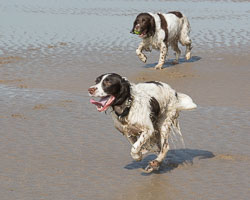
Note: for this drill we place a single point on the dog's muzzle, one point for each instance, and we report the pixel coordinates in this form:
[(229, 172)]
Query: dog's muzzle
[(92, 90)]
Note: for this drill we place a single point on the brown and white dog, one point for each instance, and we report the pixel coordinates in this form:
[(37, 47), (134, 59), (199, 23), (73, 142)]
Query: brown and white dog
[(145, 113), (160, 30)]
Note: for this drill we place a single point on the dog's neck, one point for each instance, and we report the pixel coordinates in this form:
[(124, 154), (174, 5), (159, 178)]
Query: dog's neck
[(123, 110)]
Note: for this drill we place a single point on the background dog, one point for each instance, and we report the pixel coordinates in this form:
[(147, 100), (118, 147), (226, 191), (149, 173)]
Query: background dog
[(145, 113), (161, 30)]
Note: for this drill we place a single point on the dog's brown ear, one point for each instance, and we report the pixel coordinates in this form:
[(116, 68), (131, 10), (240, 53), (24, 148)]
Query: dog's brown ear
[(125, 86), (151, 30), (124, 92)]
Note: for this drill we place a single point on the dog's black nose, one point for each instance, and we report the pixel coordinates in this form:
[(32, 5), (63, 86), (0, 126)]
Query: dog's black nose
[(92, 90), (132, 32)]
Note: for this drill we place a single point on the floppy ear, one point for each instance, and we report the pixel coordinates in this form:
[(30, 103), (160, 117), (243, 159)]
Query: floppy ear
[(151, 31), (125, 85), (132, 31), (125, 88), (124, 92)]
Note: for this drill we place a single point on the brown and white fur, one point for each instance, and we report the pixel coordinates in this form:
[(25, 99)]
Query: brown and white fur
[(145, 113), (160, 30)]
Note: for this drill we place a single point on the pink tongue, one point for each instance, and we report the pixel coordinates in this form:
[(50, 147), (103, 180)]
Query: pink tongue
[(101, 102), (104, 103)]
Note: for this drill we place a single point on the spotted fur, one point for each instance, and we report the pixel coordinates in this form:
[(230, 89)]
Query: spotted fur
[(158, 31), (153, 112)]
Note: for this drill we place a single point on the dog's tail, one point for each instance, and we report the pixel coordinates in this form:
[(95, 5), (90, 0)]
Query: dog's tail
[(185, 102)]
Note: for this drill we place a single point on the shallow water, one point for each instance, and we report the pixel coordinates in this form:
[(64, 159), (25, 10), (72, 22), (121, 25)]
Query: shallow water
[(55, 145), (52, 44)]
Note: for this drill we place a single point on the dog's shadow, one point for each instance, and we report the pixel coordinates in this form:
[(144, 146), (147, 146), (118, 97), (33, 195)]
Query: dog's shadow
[(169, 62), (173, 160)]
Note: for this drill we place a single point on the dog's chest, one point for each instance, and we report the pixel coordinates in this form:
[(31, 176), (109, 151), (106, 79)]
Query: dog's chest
[(128, 129), (154, 42)]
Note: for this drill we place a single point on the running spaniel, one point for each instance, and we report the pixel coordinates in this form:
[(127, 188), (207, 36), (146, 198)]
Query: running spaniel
[(160, 30), (145, 113)]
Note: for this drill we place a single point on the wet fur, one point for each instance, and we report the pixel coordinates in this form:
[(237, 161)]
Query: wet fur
[(151, 117)]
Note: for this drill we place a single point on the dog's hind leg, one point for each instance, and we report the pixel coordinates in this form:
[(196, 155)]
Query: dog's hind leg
[(139, 53), (188, 51), (165, 129), (163, 54), (164, 145), (155, 164), (175, 47), (185, 38), (188, 44)]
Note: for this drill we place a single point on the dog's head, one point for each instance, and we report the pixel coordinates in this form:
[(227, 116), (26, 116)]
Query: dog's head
[(144, 25), (112, 90)]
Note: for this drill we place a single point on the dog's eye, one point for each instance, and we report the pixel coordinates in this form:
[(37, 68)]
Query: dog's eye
[(107, 79)]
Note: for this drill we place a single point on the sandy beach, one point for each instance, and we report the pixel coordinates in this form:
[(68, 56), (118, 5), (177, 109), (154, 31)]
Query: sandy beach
[(55, 145)]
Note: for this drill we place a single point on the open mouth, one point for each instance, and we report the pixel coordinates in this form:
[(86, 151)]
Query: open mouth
[(104, 103), (140, 34), (143, 34)]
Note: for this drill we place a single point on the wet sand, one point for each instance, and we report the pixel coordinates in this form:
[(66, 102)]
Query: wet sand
[(55, 145)]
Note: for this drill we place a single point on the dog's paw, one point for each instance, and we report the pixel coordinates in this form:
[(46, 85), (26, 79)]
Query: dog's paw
[(136, 156), (153, 165), (188, 55), (158, 66), (148, 169), (143, 58)]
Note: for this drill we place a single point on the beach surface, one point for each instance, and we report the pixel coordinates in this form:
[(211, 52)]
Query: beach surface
[(54, 144)]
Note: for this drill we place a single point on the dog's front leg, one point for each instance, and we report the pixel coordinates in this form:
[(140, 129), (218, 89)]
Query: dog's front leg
[(139, 53), (136, 147), (163, 54)]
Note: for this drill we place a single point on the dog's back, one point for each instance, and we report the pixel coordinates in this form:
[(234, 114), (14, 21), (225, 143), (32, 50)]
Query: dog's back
[(164, 94)]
